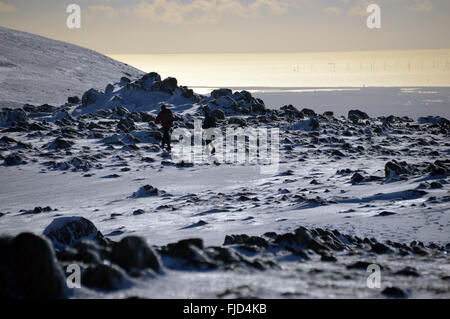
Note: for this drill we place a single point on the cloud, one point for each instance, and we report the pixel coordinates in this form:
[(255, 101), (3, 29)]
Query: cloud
[(360, 8), (4, 7), (206, 11), (332, 10), (420, 6), (109, 11)]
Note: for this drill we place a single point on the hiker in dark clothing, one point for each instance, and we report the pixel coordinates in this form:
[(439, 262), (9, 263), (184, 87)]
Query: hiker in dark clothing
[(209, 122), (165, 117)]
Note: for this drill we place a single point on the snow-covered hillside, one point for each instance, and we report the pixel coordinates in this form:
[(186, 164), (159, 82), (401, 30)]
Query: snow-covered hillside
[(38, 70)]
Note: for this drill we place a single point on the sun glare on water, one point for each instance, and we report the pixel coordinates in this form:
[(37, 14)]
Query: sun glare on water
[(261, 71)]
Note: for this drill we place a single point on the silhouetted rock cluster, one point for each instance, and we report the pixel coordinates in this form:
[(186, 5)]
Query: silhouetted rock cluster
[(31, 267)]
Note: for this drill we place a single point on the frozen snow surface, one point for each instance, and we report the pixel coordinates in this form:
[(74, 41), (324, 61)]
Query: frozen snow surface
[(369, 189), (338, 174)]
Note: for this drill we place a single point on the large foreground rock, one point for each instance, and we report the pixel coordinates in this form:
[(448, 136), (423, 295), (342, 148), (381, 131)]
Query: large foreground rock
[(105, 277), (69, 231), (134, 255), (29, 269)]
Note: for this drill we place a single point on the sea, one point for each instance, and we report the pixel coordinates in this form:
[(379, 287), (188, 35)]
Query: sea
[(292, 72)]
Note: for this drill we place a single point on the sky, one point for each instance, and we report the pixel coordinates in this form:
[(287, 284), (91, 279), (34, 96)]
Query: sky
[(235, 26)]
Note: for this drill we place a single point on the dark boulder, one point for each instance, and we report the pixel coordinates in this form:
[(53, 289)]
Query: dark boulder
[(168, 85), (73, 99), (361, 265), (146, 191), (357, 178), (134, 255), (408, 272), (188, 253), (104, 277), (138, 212), (221, 92), (337, 153), (69, 231), (149, 80), (394, 169), (124, 81), (237, 120), (7, 140), (46, 108), (437, 120), (246, 240), (187, 93), (308, 112), (14, 159), (327, 257), (59, 144), (294, 242), (380, 249), (29, 269), (146, 117), (357, 115), (218, 114), (12, 116), (394, 292), (90, 97), (126, 125), (258, 106)]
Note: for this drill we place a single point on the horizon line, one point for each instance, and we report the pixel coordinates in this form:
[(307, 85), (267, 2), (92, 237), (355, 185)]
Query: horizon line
[(275, 52)]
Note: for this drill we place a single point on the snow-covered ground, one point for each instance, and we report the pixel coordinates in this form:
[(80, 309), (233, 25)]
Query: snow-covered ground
[(382, 181), (167, 219), (101, 175)]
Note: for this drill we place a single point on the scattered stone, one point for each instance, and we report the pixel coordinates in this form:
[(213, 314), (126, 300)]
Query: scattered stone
[(138, 212), (357, 178), (60, 144), (357, 115), (69, 231), (385, 213), (394, 292), (146, 191), (362, 265), (90, 97), (190, 253), (104, 277), (15, 159), (126, 125), (134, 255), (380, 248), (408, 271), (328, 258), (73, 99)]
